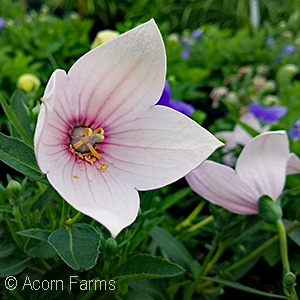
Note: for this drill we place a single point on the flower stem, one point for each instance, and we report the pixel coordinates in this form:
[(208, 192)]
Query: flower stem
[(257, 252), (16, 212), (202, 223), (188, 221), (261, 248), (65, 212), (283, 245), (75, 219), (288, 284)]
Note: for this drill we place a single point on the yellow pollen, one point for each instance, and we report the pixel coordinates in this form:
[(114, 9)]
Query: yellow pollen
[(83, 143), (103, 166)]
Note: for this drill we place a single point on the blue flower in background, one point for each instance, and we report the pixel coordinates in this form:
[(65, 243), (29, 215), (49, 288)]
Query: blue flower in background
[(270, 41), (187, 42), (294, 133), (2, 23), (165, 100), (267, 114), (288, 50)]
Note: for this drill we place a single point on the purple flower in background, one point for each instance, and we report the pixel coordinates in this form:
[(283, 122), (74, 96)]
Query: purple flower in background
[(187, 42), (2, 23), (288, 50), (270, 41), (196, 34), (267, 114), (294, 133), (165, 100)]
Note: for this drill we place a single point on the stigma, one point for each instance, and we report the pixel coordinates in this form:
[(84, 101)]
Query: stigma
[(83, 143)]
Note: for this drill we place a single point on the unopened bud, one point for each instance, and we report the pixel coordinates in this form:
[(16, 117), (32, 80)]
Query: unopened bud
[(104, 36), (269, 210), (28, 82)]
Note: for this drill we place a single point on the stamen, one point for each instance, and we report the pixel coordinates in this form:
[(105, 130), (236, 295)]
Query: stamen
[(83, 143), (93, 151), (78, 144)]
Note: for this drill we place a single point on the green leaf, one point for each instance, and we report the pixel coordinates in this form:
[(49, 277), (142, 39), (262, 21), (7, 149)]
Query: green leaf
[(15, 122), (173, 248), (37, 245), (241, 287), (36, 233), (142, 233), (18, 105), (20, 157), (6, 248), (13, 264), (174, 198), (145, 266), (78, 246)]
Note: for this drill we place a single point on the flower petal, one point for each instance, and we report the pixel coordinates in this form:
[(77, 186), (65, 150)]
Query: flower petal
[(262, 163), (220, 185), (100, 195), (119, 78), (157, 148), (293, 165)]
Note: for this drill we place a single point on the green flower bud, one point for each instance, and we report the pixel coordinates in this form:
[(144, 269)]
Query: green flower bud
[(269, 86), (271, 100), (36, 110), (289, 280), (269, 210), (13, 190), (103, 37), (110, 247), (28, 82), (291, 69), (173, 38)]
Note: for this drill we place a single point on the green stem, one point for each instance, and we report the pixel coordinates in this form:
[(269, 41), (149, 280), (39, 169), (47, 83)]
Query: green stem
[(16, 238), (74, 220), (208, 266), (283, 245), (188, 221), (213, 261), (289, 290), (202, 223), (261, 248), (65, 212), (256, 252), (16, 212)]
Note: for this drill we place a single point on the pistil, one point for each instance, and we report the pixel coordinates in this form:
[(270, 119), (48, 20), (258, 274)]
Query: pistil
[(83, 142)]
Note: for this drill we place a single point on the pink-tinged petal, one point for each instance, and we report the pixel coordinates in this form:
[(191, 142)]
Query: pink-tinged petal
[(120, 78), (157, 148), (293, 165), (262, 163), (220, 185), (54, 123), (100, 195)]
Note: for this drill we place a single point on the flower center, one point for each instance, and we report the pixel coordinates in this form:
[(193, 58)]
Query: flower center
[(83, 142)]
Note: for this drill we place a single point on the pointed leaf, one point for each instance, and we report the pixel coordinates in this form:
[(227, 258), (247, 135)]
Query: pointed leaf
[(37, 245), (18, 105), (19, 156), (173, 248), (243, 288), (15, 122), (78, 246), (145, 266), (13, 264)]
